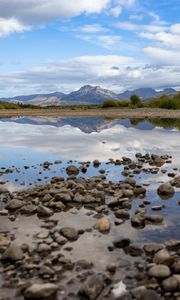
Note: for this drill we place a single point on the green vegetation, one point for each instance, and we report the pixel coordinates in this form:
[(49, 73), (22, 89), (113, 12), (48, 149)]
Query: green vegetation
[(167, 102), (135, 101), (112, 103), (8, 105)]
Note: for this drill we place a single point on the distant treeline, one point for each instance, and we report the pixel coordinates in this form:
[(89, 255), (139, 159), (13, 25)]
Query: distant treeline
[(164, 101), (8, 105)]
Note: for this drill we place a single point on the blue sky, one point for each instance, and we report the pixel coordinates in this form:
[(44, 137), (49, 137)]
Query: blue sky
[(59, 45)]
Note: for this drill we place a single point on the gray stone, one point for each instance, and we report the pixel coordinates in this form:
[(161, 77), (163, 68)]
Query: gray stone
[(70, 233)]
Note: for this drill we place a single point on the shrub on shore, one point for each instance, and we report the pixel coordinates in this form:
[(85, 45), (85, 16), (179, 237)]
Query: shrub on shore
[(166, 102), (112, 103)]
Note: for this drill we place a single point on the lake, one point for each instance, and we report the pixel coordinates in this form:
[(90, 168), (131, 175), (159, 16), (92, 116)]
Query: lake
[(28, 142)]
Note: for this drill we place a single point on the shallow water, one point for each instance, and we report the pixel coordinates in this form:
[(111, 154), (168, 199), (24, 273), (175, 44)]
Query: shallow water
[(27, 142), (31, 141)]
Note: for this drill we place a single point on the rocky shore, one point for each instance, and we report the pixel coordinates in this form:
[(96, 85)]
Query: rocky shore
[(42, 265)]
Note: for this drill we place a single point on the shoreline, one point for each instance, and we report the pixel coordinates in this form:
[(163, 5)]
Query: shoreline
[(139, 113)]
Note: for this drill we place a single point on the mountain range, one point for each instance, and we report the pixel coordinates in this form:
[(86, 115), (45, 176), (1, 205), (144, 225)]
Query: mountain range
[(87, 95)]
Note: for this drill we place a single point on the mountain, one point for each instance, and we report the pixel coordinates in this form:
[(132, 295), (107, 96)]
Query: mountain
[(91, 94), (86, 95), (146, 93)]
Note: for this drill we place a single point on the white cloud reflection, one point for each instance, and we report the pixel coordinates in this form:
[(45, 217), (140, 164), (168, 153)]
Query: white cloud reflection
[(71, 143)]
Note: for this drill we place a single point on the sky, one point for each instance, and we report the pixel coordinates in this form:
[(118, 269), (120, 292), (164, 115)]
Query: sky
[(59, 45)]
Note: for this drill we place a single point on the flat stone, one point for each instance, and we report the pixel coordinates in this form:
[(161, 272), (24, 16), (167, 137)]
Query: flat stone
[(41, 291), (14, 204), (42, 235), (152, 248)]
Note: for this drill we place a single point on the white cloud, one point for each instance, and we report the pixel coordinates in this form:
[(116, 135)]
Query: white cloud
[(163, 56), (8, 26), (93, 28), (114, 72), (105, 41), (116, 11), (42, 11)]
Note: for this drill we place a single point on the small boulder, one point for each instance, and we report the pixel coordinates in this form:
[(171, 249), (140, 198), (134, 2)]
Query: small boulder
[(165, 191), (103, 224), (41, 291), (13, 252)]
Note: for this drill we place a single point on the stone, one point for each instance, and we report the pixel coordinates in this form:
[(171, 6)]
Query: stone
[(122, 243), (14, 204), (170, 284), (43, 248), (13, 252), (41, 291), (150, 295), (103, 224), (122, 214), (63, 197), (134, 250), (44, 211), (139, 291), (172, 244), (161, 257), (42, 235), (159, 271), (72, 170), (165, 191), (157, 219), (152, 248), (70, 233), (92, 288)]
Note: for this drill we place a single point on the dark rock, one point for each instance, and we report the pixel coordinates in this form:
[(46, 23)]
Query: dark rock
[(165, 191), (72, 170), (122, 243)]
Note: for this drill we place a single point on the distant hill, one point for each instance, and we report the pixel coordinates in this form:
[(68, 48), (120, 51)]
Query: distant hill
[(86, 95), (146, 93)]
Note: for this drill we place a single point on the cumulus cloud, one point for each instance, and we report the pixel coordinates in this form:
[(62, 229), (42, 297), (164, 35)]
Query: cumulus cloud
[(8, 26), (42, 11), (114, 72)]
